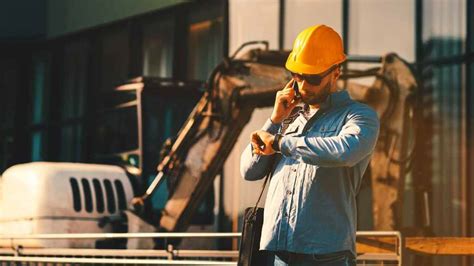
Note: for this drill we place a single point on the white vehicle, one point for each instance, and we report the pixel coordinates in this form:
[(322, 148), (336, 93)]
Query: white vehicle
[(46, 197)]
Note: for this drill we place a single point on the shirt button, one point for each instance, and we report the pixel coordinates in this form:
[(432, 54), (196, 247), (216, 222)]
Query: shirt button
[(293, 169), (288, 192)]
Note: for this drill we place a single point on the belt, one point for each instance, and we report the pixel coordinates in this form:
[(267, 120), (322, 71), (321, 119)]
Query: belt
[(292, 256)]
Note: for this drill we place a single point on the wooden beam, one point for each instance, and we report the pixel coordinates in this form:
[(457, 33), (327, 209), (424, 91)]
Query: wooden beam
[(441, 245), (421, 245)]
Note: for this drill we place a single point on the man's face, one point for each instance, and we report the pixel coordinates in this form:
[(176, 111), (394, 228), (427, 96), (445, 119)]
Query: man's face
[(316, 94)]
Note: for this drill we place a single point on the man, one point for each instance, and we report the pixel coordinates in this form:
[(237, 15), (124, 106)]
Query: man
[(319, 154)]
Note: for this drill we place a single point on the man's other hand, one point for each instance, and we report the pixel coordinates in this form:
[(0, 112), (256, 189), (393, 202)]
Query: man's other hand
[(262, 142), (137, 205)]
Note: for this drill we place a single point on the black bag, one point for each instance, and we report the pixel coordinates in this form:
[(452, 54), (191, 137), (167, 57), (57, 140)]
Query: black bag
[(249, 253), (249, 243)]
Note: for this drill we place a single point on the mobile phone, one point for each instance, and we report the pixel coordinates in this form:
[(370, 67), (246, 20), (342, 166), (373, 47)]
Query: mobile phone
[(296, 89)]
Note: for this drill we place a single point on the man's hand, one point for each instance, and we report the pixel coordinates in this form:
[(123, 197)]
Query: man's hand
[(262, 142), (137, 204), (285, 101)]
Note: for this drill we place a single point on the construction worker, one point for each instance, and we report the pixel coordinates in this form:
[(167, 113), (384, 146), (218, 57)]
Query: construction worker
[(317, 155)]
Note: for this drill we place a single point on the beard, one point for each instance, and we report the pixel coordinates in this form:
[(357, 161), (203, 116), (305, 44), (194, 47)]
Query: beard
[(320, 96)]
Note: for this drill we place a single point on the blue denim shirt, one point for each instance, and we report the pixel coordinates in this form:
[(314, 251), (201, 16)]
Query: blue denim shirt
[(311, 200)]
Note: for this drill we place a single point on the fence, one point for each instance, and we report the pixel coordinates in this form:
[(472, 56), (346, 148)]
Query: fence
[(17, 255)]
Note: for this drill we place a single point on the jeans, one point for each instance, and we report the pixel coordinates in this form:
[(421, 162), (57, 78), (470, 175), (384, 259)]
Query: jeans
[(284, 258)]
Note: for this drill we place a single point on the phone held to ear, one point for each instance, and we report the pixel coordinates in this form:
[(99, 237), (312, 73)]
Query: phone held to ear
[(295, 87), (297, 90)]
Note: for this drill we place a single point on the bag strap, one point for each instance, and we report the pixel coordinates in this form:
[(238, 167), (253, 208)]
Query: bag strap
[(285, 125), (267, 177)]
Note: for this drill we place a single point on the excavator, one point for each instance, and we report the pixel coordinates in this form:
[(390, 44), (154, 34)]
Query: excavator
[(93, 196), (249, 80)]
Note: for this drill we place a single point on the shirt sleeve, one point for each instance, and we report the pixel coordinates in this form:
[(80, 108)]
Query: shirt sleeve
[(355, 141), (254, 166)]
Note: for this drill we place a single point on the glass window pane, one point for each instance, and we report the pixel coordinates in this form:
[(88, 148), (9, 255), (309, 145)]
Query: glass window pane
[(445, 115), (71, 143), (444, 27), (116, 131), (114, 61), (374, 32), (253, 20), (41, 74), (310, 12), (38, 146), (158, 48), (205, 42), (9, 86), (74, 83), (442, 160), (72, 105), (40, 104), (6, 151), (163, 117)]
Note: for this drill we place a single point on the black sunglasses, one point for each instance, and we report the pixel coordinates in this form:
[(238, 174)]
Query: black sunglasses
[(313, 79)]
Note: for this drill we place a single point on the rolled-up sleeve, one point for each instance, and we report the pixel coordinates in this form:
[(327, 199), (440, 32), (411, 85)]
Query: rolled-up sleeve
[(254, 166), (355, 141)]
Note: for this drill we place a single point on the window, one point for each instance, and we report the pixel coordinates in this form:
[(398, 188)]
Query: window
[(444, 35), (158, 48), (205, 41), (114, 61), (443, 175), (116, 131), (87, 194), (99, 195), (120, 195), (109, 191), (76, 196), (163, 118), (9, 87), (73, 91), (9, 70), (40, 105)]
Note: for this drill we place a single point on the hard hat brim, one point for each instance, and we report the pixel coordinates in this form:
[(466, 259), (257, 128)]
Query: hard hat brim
[(299, 67)]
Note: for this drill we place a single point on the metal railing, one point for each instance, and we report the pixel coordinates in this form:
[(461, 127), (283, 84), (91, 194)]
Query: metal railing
[(395, 257), (170, 256)]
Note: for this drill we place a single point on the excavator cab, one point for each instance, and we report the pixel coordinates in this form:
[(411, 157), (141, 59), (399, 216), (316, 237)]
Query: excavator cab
[(136, 118)]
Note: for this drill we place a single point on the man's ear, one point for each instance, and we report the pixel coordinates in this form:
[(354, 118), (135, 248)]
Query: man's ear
[(337, 72)]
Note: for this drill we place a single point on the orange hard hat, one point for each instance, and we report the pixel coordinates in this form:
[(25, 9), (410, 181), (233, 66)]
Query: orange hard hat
[(316, 49)]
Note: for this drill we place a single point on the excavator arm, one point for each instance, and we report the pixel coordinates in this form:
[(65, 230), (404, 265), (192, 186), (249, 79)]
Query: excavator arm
[(239, 85)]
